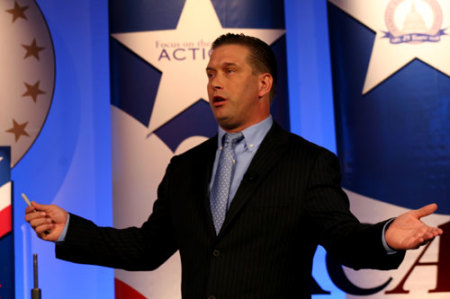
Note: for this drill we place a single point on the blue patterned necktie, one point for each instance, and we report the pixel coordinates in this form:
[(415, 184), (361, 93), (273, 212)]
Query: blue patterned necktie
[(221, 188)]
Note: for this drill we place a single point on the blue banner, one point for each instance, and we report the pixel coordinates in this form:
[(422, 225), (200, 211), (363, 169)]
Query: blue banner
[(392, 124)]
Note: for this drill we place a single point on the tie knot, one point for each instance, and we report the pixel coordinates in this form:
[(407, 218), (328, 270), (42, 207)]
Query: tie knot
[(232, 138)]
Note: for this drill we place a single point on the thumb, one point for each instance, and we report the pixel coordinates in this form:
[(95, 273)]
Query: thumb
[(426, 210)]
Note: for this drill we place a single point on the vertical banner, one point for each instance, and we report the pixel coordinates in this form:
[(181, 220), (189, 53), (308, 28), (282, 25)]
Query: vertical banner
[(391, 68), (6, 234), (158, 54)]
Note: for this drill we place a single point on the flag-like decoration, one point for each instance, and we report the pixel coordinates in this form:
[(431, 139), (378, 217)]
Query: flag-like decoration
[(159, 51), (27, 77), (391, 68), (6, 235)]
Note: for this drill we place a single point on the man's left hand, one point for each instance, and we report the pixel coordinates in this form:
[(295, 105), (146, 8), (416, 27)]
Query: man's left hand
[(407, 231)]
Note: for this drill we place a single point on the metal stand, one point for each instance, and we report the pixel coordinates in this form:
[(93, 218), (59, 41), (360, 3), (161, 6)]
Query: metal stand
[(36, 291)]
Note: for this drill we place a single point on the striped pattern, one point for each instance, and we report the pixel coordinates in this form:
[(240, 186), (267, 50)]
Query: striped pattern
[(5, 209), (5, 221), (288, 202), (6, 233)]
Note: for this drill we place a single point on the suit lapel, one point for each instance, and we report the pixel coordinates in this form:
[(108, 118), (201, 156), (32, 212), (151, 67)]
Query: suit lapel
[(208, 155), (270, 151)]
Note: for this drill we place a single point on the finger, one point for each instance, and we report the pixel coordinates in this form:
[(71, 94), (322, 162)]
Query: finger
[(29, 209), (428, 236), (39, 221), (41, 229), (39, 207), (432, 231), (48, 233), (422, 243), (426, 210), (48, 237), (436, 231), (33, 216)]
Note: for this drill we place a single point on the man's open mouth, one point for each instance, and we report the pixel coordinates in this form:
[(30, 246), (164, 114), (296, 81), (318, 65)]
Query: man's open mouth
[(218, 100)]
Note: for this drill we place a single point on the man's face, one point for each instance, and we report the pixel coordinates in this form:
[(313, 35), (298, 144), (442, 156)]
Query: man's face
[(234, 89)]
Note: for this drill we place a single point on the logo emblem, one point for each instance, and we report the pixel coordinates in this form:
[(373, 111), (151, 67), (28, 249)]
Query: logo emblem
[(413, 22), (415, 30)]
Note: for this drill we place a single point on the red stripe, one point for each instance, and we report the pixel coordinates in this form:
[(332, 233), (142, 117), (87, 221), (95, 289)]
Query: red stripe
[(5, 221), (124, 291)]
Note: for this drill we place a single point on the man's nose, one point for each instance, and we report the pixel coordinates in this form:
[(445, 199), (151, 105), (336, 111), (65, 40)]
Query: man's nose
[(216, 82)]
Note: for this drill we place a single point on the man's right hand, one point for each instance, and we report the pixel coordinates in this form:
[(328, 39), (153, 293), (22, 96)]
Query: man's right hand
[(48, 221)]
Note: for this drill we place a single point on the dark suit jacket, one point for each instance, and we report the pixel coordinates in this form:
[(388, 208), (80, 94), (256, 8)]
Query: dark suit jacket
[(289, 201)]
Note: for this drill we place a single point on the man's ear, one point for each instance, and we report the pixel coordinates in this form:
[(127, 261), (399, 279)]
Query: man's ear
[(265, 84)]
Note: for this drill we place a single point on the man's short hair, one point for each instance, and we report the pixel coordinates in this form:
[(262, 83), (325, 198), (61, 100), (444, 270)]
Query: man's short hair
[(261, 58)]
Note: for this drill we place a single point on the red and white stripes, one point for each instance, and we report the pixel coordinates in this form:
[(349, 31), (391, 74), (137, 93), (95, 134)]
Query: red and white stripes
[(5, 209)]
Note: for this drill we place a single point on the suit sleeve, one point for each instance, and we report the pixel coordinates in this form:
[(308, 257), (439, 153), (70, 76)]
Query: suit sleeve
[(348, 241), (133, 248)]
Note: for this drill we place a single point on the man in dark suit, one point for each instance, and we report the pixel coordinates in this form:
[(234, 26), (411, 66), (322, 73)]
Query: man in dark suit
[(247, 208)]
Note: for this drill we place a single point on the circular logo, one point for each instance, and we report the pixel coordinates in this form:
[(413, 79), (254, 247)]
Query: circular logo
[(413, 21), (27, 76)]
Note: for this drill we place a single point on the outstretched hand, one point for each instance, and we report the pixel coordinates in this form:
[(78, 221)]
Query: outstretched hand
[(407, 231), (48, 221)]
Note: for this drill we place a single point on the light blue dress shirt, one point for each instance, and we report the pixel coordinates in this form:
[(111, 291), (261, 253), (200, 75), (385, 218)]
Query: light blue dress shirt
[(244, 152)]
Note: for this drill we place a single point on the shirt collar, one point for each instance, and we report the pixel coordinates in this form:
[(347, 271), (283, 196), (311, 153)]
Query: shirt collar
[(253, 135)]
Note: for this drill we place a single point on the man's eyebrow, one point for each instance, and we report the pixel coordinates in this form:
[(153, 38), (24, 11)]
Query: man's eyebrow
[(227, 64)]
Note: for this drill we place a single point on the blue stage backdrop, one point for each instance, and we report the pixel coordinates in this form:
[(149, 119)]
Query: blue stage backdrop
[(391, 67), (158, 52), (66, 158)]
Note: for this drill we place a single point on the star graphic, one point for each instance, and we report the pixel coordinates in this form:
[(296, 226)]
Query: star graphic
[(387, 58), (18, 130), (18, 11), (33, 50), (182, 55), (33, 90)]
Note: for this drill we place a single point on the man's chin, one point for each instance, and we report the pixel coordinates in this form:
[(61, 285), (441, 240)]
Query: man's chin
[(225, 122), (229, 126), (221, 118)]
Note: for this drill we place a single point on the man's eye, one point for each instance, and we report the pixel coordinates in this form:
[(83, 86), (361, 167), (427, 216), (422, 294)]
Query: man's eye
[(210, 75), (229, 71)]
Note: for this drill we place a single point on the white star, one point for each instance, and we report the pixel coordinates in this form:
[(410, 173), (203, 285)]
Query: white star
[(1, 158), (182, 55), (388, 58)]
